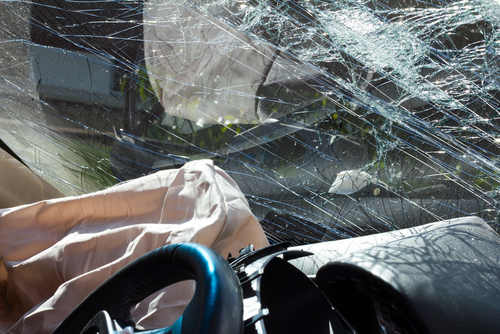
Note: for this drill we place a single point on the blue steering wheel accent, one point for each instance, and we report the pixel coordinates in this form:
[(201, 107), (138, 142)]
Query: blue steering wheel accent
[(217, 305)]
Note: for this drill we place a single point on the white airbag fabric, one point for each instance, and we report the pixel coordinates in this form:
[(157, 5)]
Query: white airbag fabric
[(55, 252)]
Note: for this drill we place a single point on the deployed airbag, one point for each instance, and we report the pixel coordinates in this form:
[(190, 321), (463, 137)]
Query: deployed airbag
[(56, 252)]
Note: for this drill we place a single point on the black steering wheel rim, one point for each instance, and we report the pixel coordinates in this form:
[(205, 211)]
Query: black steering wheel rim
[(217, 305)]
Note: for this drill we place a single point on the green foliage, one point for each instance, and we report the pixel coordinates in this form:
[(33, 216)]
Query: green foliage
[(95, 169)]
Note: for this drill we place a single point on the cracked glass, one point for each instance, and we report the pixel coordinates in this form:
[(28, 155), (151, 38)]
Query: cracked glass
[(335, 118)]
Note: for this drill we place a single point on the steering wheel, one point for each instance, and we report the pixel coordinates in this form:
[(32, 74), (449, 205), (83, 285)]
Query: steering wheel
[(217, 305)]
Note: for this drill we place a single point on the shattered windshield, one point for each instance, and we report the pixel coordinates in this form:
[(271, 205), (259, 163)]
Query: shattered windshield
[(335, 118)]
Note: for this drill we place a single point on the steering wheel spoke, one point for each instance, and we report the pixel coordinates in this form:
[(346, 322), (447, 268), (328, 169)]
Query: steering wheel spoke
[(216, 307)]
